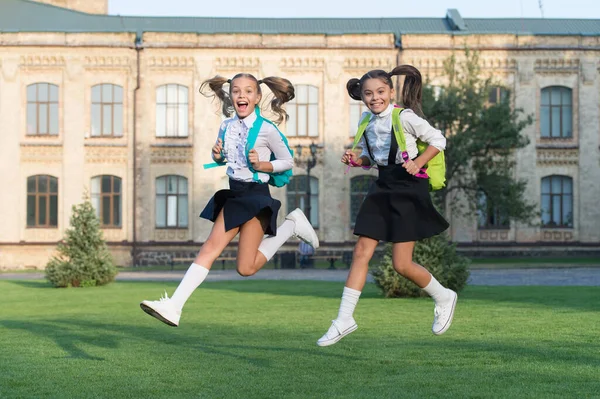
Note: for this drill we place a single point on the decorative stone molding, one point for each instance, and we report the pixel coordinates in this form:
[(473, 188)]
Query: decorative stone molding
[(42, 61), (492, 235), (42, 235), (41, 153), (237, 62), (499, 63), (106, 155), (426, 63), (170, 234), (171, 155), (552, 235), (302, 63), (556, 65), (557, 156), (109, 62), (363, 63), (171, 62)]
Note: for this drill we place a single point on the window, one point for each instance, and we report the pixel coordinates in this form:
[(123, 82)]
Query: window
[(359, 187), (42, 201), (304, 112), (556, 113), (490, 216), (171, 202), (106, 199), (296, 197), (107, 110), (497, 94), (42, 109), (356, 110), (557, 201), (172, 111)]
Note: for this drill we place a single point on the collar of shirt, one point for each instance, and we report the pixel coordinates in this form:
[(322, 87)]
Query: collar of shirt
[(385, 113), (248, 121)]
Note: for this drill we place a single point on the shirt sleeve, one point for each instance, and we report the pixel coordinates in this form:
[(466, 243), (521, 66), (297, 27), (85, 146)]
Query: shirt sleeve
[(421, 129), (283, 159)]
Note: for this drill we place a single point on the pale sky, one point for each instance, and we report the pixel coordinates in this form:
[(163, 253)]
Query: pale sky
[(358, 8)]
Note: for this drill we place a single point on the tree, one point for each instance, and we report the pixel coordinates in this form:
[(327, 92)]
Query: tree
[(83, 258), (481, 141)]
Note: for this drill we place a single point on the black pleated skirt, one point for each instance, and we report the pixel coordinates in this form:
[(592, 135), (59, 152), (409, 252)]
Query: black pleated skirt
[(398, 208), (242, 202)]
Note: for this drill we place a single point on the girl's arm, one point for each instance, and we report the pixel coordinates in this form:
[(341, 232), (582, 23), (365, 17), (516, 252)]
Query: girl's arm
[(284, 160), (364, 159), (422, 130)]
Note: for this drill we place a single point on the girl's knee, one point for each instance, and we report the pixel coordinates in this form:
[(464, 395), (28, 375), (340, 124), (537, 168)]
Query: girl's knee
[(402, 267), (246, 269)]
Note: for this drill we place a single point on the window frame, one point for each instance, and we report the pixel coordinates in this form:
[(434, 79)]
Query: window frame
[(179, 105), (178, 195), (562, 196), (37, 195), (300, 196), (293, 107), (52, 106), (113, 103), (101, 195)]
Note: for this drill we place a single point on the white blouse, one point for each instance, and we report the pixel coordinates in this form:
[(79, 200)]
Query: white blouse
[(379, 135), (234, 131)]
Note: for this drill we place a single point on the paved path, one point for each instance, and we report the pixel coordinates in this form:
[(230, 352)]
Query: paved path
[(579, 276)]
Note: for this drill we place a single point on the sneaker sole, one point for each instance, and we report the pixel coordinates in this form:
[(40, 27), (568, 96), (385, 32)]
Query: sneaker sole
[(447, 326), (315, 239), (156, 315), (336, 339)]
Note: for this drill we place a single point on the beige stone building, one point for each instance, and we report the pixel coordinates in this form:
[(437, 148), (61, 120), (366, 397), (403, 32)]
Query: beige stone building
[(109, 105)]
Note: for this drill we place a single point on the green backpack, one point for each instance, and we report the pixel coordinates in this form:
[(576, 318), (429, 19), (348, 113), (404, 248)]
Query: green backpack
[(436, 167), (278, 179)]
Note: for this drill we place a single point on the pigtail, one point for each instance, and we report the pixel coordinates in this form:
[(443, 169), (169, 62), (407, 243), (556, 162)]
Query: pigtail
[(353, 87), (283, 92), (216, 86), (412, 89)]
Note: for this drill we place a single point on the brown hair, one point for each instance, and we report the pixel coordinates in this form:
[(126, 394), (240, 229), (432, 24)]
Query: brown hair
[(282, 89), (412, 89)]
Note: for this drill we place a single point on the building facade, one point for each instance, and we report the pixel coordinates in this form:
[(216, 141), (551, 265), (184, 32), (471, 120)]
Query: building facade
[(108, 107)]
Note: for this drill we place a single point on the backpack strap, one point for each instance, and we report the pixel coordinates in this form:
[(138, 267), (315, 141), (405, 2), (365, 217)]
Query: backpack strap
[(398, 129), (252, 136), (361, 130)]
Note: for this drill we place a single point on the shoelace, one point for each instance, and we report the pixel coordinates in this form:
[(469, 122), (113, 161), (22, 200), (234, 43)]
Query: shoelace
[(164, 298)]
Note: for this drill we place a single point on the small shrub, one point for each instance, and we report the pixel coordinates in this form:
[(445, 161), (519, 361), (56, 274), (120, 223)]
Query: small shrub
[(437, 255), (83, 259)]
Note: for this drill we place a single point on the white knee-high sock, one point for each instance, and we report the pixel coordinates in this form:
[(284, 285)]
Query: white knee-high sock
[(270, 245), (349, 301), (194, 276), (436, 290)]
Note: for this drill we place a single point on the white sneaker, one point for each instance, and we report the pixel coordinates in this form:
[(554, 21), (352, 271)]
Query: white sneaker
[(443, 314), (303, 229), (163, 310), (336, 332)]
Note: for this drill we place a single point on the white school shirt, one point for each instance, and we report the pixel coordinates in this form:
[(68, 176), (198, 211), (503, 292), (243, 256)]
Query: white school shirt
[(380, 140), (235, 131)]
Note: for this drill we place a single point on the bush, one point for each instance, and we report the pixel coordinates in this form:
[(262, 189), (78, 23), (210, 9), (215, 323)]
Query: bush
[(83, 259), (437, 255)]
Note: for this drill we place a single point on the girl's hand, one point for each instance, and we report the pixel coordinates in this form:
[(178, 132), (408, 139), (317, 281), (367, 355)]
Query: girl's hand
[(351, 156), (411, 167), (253, 158), (216, 150)]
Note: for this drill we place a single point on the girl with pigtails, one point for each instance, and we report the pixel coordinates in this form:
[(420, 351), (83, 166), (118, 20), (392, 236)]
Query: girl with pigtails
[(397, 208), (256, 155)]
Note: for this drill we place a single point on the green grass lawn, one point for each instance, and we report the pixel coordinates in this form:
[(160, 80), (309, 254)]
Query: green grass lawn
[(256, 339)]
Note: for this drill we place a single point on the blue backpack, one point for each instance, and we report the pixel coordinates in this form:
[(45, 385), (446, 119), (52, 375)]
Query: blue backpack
[(278, 179)]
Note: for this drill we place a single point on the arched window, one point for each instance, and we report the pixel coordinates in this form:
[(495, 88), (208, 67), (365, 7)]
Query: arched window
[(42, 201)]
